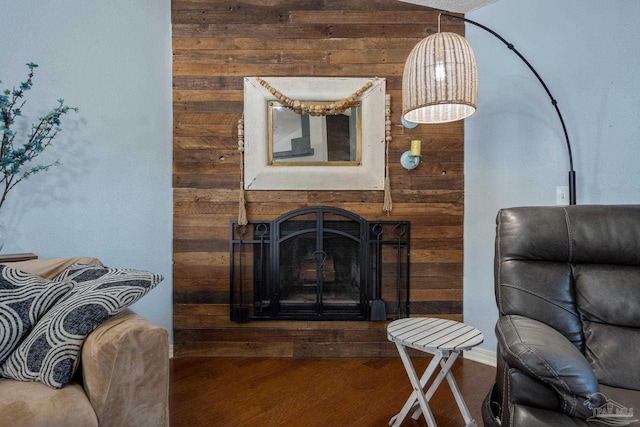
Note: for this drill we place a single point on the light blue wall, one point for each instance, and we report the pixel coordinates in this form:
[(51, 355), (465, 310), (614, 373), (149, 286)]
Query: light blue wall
[(588, 53), (111, 198)]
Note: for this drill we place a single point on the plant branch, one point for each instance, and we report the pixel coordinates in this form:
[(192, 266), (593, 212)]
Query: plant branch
[(15, 161)]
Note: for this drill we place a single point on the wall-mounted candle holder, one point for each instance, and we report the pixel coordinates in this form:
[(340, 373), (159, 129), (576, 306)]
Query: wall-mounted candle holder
[(411, 159)]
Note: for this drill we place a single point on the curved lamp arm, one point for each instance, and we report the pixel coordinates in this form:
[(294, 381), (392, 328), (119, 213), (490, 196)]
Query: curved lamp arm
[(572, 173)]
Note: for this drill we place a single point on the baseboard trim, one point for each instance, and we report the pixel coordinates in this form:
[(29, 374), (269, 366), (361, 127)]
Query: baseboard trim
[(481, 355)]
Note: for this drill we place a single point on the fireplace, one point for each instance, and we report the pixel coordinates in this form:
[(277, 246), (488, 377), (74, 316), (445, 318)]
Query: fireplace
[(319, 263)]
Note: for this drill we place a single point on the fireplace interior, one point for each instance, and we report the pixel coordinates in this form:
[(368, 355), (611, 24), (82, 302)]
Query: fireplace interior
[(318, 263)]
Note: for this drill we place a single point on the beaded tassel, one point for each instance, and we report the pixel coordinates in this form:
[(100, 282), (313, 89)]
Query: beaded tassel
[(242, 210), (388, 203)]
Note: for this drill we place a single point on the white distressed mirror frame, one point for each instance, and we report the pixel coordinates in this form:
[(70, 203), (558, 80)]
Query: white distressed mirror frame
[(259, 175)]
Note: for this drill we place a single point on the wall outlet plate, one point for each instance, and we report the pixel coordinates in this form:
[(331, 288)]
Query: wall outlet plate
[(562, 195)]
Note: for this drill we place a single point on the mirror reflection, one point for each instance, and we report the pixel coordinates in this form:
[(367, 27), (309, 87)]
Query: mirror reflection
[(306, 140)]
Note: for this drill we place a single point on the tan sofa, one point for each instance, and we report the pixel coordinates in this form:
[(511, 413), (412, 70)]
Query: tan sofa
[(123, 378)]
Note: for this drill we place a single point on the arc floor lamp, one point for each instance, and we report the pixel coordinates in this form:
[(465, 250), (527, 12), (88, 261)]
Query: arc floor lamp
[(440, 83)]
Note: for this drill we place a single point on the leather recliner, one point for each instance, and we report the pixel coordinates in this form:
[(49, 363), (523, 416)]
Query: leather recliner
[(567, 286)]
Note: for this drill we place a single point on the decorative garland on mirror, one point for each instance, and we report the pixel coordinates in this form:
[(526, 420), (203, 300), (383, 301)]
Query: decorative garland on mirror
[(242, 210), (304, 107), (388, 203)]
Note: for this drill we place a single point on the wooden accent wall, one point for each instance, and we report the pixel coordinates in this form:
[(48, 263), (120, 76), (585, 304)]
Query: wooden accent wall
[(218, 42)]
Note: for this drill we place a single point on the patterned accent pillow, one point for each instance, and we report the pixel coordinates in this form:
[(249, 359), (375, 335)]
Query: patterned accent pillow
[(24, 299), (50, 353)]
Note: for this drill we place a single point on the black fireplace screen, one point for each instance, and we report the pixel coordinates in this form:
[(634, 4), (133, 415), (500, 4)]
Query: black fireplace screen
[(319, 263)]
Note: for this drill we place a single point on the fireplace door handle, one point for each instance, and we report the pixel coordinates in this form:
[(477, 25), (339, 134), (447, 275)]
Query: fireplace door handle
[(320, 257)]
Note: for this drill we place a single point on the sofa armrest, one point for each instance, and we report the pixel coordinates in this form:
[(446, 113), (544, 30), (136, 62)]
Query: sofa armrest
[(545, 354), (50, 268), (125, 369)]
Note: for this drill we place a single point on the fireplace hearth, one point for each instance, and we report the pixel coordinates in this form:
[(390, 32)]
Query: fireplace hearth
[(318, 263)]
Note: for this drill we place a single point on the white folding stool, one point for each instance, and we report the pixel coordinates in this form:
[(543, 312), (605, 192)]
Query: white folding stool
[(445, 340)]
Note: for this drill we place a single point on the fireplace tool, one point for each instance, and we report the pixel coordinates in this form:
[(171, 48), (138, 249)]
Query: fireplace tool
[(378, 308), (399, 230), (240, 313)]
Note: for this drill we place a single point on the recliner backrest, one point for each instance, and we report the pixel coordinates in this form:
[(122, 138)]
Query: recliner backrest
[(577, 269)]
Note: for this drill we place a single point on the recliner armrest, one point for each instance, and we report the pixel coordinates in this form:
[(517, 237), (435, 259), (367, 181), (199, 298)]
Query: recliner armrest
[(544, 353), (125, 370)]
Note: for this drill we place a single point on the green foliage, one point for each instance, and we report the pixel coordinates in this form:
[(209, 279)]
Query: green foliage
[(16, 157)]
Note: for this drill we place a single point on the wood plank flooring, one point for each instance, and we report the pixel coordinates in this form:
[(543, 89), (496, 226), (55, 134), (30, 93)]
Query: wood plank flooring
[(346, 392)]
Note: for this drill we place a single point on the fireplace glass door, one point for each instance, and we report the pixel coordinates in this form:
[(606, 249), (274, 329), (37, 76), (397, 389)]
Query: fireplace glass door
[(319, 270)]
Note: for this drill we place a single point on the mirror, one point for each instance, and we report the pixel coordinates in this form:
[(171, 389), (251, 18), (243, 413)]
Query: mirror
[(265, 171), (306, 140)]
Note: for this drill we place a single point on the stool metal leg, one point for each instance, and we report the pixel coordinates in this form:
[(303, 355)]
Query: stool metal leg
[(464, 410), (446, 363), (418, 386), (420, 399)]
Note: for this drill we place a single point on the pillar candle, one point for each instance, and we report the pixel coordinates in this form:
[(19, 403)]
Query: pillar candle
[(415, 147)]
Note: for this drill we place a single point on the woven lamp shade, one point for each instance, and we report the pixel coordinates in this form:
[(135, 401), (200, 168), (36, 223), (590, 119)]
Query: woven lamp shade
[(440, 80)]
